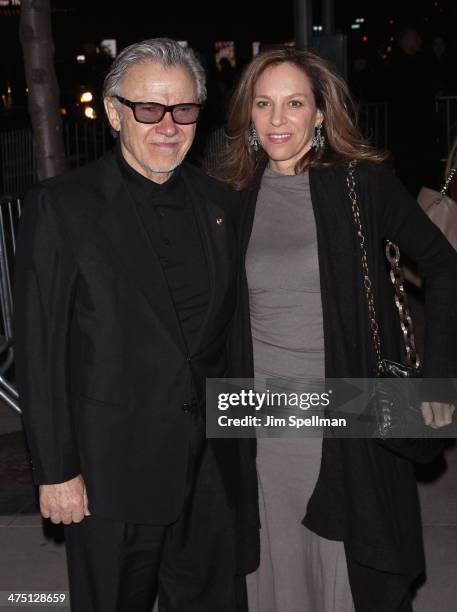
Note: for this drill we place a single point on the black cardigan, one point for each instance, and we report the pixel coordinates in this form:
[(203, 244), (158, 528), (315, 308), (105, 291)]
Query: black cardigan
[(366, 495)]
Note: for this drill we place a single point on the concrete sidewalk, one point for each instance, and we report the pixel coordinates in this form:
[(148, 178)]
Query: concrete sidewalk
[(30, 560), (439, 515)]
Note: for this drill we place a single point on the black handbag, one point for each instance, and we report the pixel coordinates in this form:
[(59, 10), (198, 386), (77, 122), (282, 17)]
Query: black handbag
[(393, 408)]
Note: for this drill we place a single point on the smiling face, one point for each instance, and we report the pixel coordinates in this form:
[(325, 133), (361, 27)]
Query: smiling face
[(153, 150), (284, 114)]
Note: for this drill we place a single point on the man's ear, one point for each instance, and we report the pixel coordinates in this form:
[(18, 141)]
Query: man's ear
[(112, 113)]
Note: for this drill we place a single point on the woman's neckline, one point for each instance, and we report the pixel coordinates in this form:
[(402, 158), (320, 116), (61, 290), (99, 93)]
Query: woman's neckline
[(270, 173)]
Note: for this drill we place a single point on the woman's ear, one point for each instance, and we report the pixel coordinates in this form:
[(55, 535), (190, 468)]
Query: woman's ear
[(319, 117)]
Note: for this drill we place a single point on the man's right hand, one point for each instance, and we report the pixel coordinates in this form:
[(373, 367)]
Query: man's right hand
[(65, 502)]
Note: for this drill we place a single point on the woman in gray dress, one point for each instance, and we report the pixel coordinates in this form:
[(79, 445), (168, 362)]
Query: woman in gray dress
[(291, 137)]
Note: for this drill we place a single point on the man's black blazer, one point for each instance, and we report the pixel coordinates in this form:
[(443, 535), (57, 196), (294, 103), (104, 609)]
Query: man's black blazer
[(102, 368)]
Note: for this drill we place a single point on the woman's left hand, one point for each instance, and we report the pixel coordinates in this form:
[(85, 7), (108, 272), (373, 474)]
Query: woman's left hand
[(437, 414)]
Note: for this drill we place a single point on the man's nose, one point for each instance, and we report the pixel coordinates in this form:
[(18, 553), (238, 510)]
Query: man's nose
[(167, 126)]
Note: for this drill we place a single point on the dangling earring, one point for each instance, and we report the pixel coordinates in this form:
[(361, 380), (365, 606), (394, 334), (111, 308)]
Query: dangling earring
[(318, 138), (253, 138)]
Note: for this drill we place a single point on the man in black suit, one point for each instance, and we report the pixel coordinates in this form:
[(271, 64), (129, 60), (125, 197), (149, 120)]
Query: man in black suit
[(124, 296)]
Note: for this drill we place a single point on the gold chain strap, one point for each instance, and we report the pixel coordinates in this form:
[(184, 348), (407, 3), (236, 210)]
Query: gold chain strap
[(401, 301), (366, 276), (396, 275)]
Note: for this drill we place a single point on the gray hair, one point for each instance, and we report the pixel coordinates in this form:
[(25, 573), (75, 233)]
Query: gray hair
[(166, 52)]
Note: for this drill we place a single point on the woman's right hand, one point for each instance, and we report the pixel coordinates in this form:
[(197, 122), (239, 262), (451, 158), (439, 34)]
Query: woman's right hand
[(437, 414)]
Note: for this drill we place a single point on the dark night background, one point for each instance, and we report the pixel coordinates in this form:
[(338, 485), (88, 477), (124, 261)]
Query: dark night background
[(79, 22), (375, 69)]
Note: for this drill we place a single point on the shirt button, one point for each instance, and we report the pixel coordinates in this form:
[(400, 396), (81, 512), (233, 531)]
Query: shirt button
[(186, 407)]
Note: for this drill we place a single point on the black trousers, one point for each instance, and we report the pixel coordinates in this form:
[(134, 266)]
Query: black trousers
[(121, 567)]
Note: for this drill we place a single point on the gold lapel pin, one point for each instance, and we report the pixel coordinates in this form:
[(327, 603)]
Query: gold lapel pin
[(219, 220)]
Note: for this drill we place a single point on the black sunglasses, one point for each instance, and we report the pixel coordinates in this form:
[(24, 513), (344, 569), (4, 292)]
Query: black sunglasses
[(153, 112)]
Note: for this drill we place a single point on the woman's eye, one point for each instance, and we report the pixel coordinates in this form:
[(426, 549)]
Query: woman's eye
[(262, 103), (296, 103)]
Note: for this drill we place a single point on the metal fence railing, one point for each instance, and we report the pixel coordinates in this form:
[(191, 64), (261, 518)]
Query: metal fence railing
[(17, 161), (446, 113), (84, 142), (10, 211), (373, 121)]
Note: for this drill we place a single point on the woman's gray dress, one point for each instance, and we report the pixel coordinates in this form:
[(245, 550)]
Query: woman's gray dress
[(299, 570)]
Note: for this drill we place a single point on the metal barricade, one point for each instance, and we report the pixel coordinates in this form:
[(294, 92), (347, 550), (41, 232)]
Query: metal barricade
[(10, 211), (446, 113), (85, 141), (17, 160), (373, 123)]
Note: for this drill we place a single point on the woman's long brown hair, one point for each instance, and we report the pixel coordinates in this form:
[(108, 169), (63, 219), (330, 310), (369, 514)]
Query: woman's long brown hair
[(343, 140)]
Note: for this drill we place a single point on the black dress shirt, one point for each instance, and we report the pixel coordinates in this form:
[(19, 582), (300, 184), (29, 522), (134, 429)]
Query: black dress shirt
[(167, 214)]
